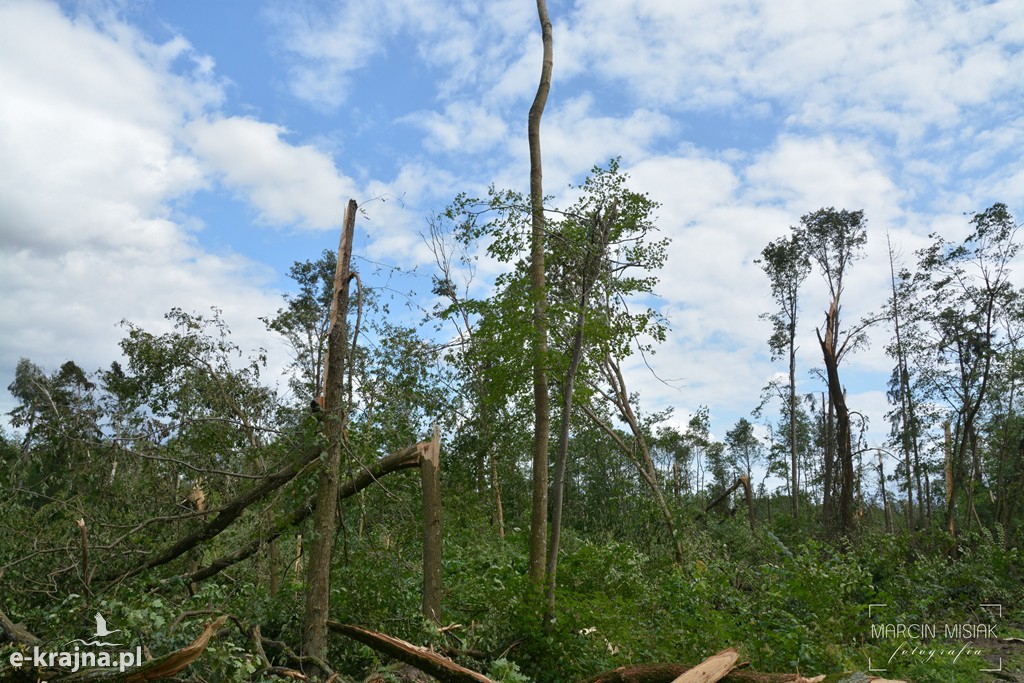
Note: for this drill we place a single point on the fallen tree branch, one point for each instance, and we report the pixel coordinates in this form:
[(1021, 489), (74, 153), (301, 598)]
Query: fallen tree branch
[(228, 514), (15, 633), (404, 459), (441, 668)]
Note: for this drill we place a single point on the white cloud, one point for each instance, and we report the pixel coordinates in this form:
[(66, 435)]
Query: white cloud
[(900, 66), (92, 171), (287, 184), (470, 43), (464, 128)]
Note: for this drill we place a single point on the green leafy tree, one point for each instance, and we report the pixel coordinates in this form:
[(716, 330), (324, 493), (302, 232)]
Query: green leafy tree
[(305, 322), (744, 448), (965, 300), (787, 265)]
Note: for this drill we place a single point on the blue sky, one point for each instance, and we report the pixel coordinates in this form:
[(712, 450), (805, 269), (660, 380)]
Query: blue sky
[(185, 153)]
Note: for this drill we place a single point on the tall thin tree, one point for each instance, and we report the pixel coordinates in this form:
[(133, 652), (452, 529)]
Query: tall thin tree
[(787, 266), (538, 297)]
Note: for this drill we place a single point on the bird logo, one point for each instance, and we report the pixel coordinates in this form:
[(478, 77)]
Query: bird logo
[(101, 632), (101, 627)]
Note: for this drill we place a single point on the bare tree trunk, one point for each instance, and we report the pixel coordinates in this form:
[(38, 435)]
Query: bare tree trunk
[(560, 467), (950, 483), (906, 426), (885, 498), (498, 508), (829, 459), (430, 464), (318, 570), (538, 296), (794, 489)]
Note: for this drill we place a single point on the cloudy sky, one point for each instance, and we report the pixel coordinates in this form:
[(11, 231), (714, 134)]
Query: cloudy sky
[(159, 153)]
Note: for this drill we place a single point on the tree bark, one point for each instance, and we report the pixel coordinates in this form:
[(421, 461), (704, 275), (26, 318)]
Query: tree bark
[(538, 296), (318, 571), (794, 478), (430, 465)]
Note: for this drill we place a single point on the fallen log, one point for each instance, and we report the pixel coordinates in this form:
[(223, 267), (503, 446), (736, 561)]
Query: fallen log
[(441, 668)]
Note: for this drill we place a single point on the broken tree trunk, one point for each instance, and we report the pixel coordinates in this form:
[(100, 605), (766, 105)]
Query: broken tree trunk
[(318, 573), (441, 668), (831, 355), (430, 465)]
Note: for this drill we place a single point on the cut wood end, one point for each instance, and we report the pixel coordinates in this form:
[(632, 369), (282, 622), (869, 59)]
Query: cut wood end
[(712, 669)]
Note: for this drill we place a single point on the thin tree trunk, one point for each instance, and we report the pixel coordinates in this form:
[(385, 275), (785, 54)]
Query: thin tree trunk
[(885, 498), (430, 459), (829, 459), (904, 380), (596, 250), (950, 484), (498, 508), (275, 571), (538, 296), (560, 467), (318, 569), (794, 490)]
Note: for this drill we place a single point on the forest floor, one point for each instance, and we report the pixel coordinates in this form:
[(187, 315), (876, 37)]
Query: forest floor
[(1006, 655)]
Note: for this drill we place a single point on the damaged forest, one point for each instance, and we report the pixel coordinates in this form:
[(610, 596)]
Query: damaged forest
[(486, 495)]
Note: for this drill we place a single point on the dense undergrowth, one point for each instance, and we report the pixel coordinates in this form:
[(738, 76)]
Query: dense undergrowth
[(788, 602)]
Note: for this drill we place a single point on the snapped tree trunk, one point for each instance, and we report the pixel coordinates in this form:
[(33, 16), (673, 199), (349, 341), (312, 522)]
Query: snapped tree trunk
[(538, 296), (844, 452), (318, 572)]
